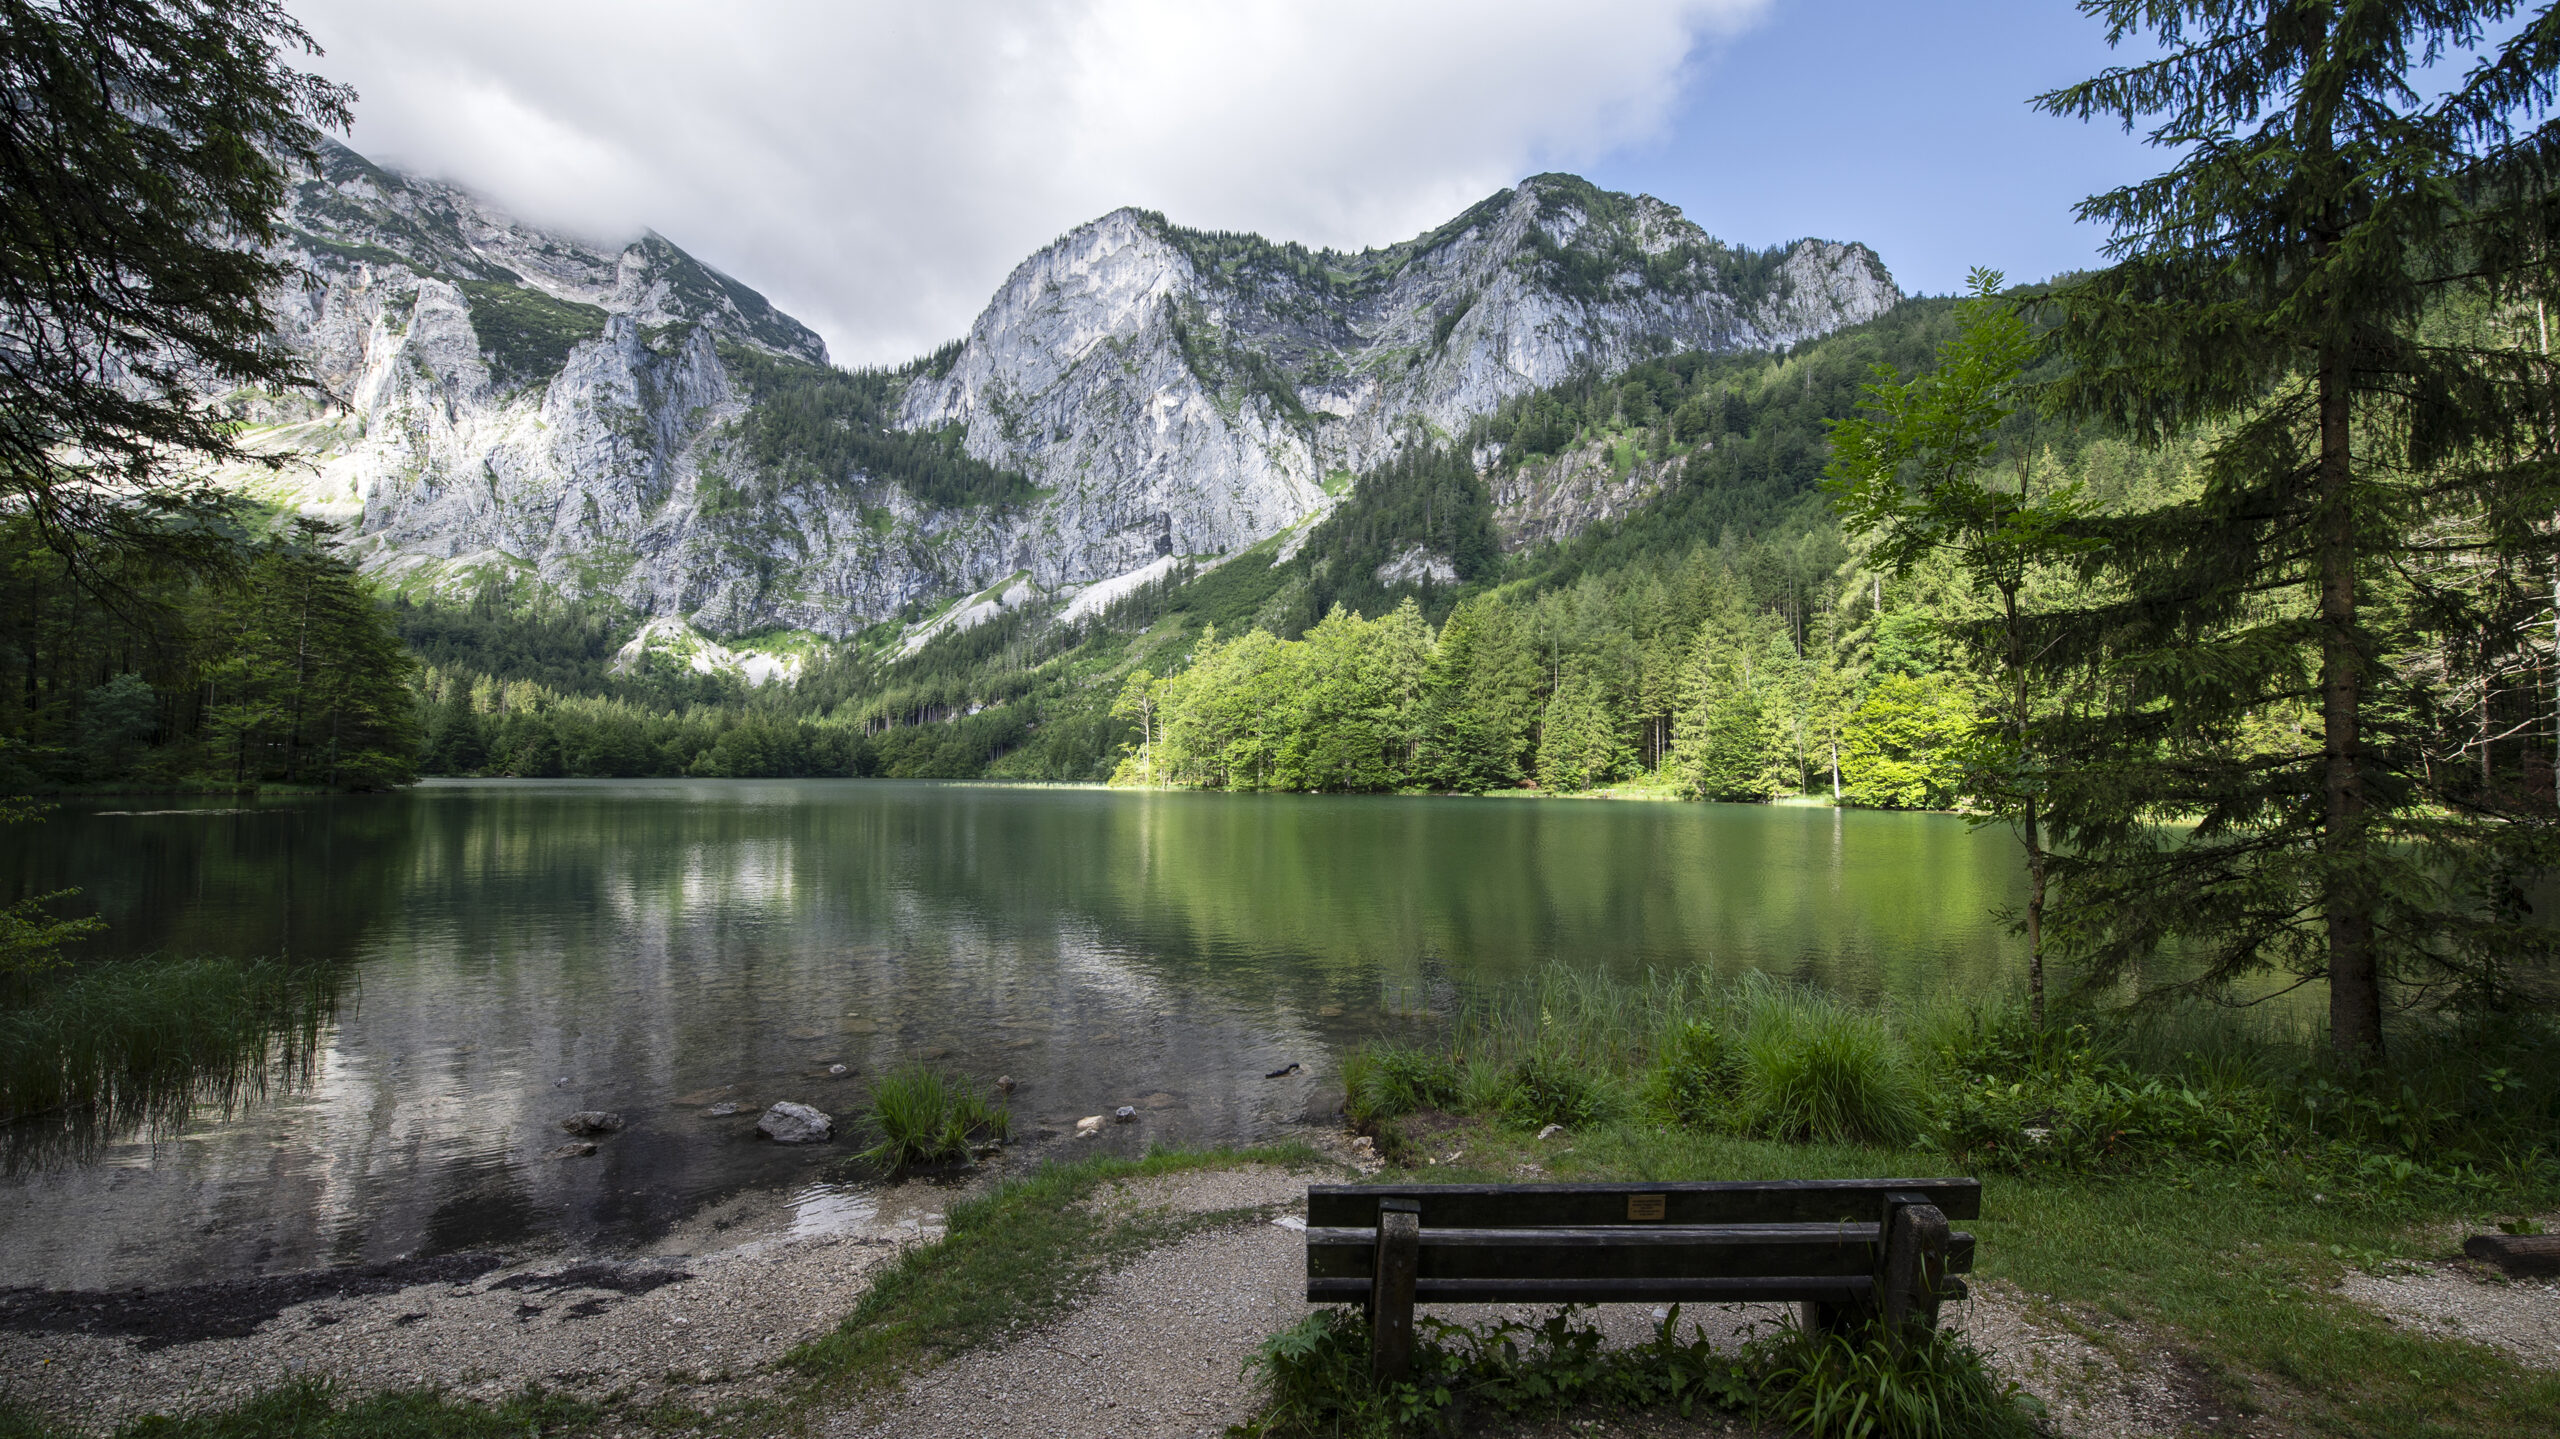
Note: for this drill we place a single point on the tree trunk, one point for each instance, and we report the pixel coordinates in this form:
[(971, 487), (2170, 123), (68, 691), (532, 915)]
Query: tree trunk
[(2035, 919), (2355, 979)]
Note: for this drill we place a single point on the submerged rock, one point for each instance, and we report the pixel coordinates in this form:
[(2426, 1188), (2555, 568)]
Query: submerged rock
[(592, 1121), (722, 1110), (575, 1149), (789, 1123)]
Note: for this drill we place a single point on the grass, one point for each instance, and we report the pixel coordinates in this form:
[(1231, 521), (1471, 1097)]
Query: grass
[(1008, 1260), (2196, 1180), (924, 1116), (2229, 1272), (1314, 1380)]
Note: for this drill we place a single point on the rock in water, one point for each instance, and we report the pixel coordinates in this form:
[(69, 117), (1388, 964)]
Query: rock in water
[(575, 1149), (1088, 1126), (1125, 1113), (789, 1123), (592, 1121), (722, 1110), (1004, 1083), (838, 1070)]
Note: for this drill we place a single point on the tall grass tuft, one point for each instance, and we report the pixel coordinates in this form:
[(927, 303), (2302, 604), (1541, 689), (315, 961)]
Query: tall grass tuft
[(924, 1116), (1930, 1385), (113, 1048), (1388, 1081), (1812, 1068)]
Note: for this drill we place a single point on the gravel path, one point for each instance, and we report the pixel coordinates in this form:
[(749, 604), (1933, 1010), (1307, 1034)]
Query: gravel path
[(2463, 1301)]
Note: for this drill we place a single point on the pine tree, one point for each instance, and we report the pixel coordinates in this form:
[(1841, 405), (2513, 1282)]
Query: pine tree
[(2275, 287)]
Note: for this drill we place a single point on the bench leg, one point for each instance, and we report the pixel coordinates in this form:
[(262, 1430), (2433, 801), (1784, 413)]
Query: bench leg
[(1829, 1316), (1915, 1267), (1391, 1295)]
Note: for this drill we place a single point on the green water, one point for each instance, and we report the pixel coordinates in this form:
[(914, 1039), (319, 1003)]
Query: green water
[(519, 950)]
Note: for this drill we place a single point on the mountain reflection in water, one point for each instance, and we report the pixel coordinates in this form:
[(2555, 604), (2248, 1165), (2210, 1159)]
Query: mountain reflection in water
[(516, 951)]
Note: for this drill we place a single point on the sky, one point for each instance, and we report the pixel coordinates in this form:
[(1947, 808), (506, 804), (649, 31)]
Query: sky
[(877, 169)]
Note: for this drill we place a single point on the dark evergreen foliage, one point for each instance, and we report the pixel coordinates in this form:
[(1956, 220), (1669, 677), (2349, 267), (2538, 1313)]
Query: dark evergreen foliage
[(139, 183), (811, 422), (525, 334)]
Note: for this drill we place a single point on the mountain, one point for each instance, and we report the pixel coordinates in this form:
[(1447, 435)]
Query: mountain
[(633, 424)]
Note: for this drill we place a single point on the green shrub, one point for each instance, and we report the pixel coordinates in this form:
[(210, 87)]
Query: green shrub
[(1547, 1088), (1814, 1069), (1694, 1075), (1388, 1081), (926, 1117)]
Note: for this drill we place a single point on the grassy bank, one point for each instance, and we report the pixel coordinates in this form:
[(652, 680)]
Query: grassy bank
[(2185, 1189)]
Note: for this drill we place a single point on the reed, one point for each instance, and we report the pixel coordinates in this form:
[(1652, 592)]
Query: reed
[(113, 1048)]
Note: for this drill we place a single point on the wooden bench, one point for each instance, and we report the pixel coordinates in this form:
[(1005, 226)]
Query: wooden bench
[(1847, 1249)]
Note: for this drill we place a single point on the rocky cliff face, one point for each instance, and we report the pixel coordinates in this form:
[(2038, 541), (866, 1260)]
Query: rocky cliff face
[(504, 399), (1186, 393)]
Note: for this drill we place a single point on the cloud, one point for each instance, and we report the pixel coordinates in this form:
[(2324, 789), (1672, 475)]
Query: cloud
[(877, 169)]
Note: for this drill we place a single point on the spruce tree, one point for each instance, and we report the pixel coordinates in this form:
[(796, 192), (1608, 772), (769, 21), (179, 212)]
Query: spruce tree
[(143, 146), (2275, 288)]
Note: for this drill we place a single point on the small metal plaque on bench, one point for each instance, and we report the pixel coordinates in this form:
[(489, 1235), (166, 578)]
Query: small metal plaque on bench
[(1644, 1206)]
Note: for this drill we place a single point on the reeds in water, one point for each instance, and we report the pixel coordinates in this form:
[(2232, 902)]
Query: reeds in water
[(114, 1048)]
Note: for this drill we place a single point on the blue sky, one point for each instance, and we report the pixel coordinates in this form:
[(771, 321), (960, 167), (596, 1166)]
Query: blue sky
[(1905, 125)]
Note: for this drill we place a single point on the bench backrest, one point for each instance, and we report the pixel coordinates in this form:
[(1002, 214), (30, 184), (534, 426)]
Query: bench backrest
[(1542, 1206)]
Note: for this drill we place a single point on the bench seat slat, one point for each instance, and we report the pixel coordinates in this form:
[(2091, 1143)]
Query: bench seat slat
[(1683, 1252), (1764, 1289), (1496, 1206)]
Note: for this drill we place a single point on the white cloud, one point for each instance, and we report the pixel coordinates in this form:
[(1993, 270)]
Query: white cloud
[(878, 168)]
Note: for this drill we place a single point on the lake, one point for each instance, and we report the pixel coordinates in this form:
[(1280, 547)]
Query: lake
[(518, 950)]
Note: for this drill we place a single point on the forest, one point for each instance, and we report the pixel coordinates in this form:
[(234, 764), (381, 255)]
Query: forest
[(265, 660)]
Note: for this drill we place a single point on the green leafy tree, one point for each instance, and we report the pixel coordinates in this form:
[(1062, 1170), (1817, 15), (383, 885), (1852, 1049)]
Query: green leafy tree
[(1915, 473), (143, 154), (2277, 287), (1138, 702), (1905, 744)]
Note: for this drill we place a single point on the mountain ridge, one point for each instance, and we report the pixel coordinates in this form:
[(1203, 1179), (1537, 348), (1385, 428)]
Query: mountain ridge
[(639, 426)]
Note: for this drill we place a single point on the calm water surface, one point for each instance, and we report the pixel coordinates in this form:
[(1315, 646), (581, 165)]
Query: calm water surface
[(525, 949)]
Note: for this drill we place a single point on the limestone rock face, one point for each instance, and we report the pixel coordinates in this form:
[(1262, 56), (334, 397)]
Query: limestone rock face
[(500, 400), (1182, 393)]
